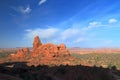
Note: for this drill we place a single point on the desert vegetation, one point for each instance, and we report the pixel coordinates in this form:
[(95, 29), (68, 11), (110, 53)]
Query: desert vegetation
[(105, 60), (92, 59), (5, 53)]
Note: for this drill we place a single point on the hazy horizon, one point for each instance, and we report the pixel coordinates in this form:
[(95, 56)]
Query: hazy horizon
[(76, 23)]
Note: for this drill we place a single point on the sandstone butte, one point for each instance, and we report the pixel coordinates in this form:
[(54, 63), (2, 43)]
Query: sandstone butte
[(46, 50)]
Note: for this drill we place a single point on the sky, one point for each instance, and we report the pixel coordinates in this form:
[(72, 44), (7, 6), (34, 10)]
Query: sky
[(77, 23)]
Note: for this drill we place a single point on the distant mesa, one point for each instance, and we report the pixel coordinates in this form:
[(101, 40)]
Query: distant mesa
[(46, 50)]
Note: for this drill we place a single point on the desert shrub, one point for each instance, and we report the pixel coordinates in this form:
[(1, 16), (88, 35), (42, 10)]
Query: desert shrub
[(109, 66)]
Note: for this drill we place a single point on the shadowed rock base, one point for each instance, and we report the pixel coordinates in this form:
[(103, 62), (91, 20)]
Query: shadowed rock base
[(20, 71)]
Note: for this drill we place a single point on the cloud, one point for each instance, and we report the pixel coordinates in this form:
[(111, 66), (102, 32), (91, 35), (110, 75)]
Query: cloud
[(79, 40), (42, 2), (68, 33), (94, 24), (112, 20), (108, 41), (91, 25), (23, 10), (70, 36), (43, 33), (52, 32)]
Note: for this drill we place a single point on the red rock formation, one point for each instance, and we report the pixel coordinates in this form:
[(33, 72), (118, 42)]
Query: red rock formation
[(36, 43), (46, 50), (62, 46), (26, 50), (63, 50), (51, 50), (21, 53)]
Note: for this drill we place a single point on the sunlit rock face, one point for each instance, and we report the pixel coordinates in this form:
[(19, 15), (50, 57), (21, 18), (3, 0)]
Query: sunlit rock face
[(36, 43), (46, 50), (63, 50), (20, 53)]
